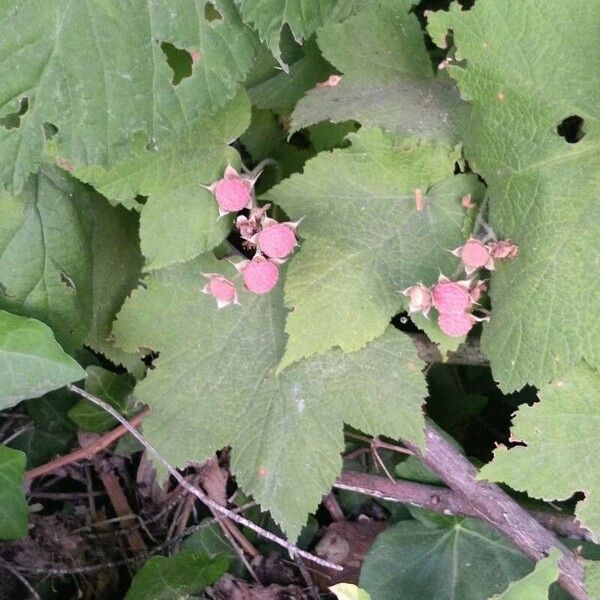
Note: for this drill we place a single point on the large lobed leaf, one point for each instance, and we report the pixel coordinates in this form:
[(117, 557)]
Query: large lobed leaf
[(388, 79), (543, 190), (68, 259), (303, 17), (95, 70), (561, 433), (536, 584), (464, 560), (31, 361), (364, 239), (180, 219), (215, 385)]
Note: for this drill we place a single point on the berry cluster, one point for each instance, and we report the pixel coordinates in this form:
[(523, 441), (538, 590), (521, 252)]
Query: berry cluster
[(454, 300), (273, 241), (475, 254)]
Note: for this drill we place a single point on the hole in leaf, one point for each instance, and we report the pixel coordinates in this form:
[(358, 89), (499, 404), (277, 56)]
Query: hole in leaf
[(13, 120), (211, 13), (179, 60), (571, 129), (67, 281)]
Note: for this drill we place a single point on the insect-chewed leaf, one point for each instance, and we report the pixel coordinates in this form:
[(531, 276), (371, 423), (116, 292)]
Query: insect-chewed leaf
[(95, 69), (543, 188)]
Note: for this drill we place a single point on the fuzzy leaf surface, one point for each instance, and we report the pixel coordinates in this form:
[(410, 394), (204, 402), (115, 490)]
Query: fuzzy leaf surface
[(180, 219), (466, 560), (561, 433), (31, 361), (270, 16), (364, 239), (543, 190), (215, 385), (96, 71), (13, 511), (67, 258), (387, 77)]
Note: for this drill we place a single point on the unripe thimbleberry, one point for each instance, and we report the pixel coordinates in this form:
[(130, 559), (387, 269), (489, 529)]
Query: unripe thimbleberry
[(277, 240), (260, 275), (451, 297), (420, 298), (475, 255), (220, 288), (456, 324), (233, 192)]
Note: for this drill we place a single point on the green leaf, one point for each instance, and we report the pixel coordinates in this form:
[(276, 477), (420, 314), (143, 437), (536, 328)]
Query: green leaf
[(110, 387), (176, 577), (270, 16), (116, 269), (66, 258), (467, 560), (14, 511), (284, 89), (543, 190), (180, 218), (348, 591), (215, 385), (95, 70), (561, 433), (388, 80), (592, 579), (31, 361), (536, 584), (364, 240), (53, 431)]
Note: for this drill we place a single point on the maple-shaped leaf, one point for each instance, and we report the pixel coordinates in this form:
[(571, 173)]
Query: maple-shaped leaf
[(387, 77), (96, 71), (68, 259), (364, 239), (303, 17), (527, 90), (180, 219), (448, 559), (215, 384), (561, 433)]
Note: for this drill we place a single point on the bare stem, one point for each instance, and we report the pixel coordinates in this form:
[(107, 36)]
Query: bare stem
[(443, 500), (494, 506), (215, 506)]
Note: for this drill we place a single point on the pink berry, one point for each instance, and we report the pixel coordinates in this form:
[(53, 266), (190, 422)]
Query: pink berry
[(420, 298), (474, 254), (451, 297), (456, 324), (221, 288), (260, 275), (232, 194), (277, 240)]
